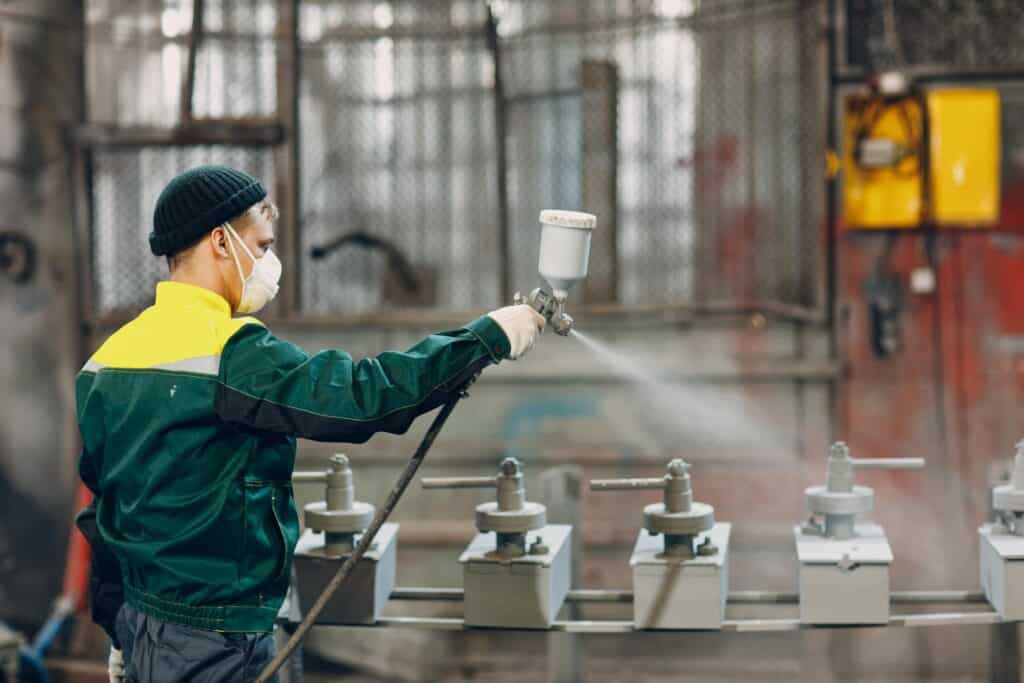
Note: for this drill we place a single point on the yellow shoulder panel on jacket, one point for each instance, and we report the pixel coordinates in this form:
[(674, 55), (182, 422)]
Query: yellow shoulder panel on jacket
[(161, 337)]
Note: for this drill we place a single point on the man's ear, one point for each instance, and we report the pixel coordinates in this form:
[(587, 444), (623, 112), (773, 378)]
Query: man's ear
[(219, 242)]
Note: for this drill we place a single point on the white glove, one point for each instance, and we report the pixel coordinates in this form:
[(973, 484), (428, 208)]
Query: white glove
[(115, 665), (521, 324)]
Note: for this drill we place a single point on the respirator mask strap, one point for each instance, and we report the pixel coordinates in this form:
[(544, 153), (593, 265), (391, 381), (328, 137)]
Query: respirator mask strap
[(232, 236)]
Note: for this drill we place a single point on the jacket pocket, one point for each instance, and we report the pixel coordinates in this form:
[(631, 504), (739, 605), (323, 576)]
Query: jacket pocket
[(268, 544), (282, 537)]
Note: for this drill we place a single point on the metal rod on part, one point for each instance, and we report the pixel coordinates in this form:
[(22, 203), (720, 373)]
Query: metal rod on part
[(457, 482), (889, 463), (309, 477), (626, 484), (383, 512)]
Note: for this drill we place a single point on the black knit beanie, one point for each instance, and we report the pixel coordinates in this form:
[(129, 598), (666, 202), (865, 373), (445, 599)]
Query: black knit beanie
[(196, 202)]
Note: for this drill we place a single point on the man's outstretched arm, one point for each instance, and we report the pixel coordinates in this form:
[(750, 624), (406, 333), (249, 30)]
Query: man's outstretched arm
[(270, 384)]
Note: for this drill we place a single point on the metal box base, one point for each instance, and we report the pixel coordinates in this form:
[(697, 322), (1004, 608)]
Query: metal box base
[(676, 593), (844, 582), (1002, 571), (367, 589), (524, 592)]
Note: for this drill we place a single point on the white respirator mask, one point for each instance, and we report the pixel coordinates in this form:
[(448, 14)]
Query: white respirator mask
[(261, 285)]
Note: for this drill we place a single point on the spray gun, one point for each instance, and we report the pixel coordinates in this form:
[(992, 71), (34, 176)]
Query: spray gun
[(563, 261)]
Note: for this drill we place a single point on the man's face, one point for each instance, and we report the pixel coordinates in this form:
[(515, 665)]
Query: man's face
[(256, 229)]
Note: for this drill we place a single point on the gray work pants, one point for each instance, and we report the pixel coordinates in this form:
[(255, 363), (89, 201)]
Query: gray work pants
[(157, 651)]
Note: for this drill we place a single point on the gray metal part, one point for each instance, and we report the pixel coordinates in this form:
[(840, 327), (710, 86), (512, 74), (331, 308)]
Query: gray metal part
[(820, 500), (700, 517), (671, 593), (1008, 498), (868, 546), (353, 520), (525, 592), (368, 587), (531, 516), (831, 594), (1002, 572)]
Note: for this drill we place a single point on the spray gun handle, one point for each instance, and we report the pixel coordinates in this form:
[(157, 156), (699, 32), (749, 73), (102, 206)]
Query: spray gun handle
[(549, 306), (887, 463), (626, 484), (459, 482)]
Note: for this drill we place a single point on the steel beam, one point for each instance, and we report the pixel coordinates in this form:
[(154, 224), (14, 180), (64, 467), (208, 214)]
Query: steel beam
[(253, 132)]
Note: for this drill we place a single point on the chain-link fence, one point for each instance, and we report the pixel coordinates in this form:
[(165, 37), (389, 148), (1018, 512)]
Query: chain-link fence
[(399, 137), (398, 144)]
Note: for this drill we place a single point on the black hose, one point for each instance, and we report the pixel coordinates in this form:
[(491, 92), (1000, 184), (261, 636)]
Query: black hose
[(365, 540)]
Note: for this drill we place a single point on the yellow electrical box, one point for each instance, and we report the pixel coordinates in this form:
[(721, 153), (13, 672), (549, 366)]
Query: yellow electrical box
[(881, 163), (963, 157)]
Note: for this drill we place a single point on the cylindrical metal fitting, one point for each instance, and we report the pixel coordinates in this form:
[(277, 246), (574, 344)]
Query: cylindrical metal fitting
[(679, 545), (678, 494), (511, 494), (340, 490), (511, 545), (839, 527), (1009, 498), (1017, 480), (839, 470), (339, 515), (338, 543)]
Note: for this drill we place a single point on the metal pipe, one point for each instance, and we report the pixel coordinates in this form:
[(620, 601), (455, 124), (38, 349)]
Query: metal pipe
[(918, 597), (458, 482), (195, 39), (729, 625), (603, 595), (431, 594), (500, 159), (266, 131), (626, 484)]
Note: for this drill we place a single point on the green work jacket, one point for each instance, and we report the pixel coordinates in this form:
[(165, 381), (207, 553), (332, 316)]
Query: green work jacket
[(189, 418)]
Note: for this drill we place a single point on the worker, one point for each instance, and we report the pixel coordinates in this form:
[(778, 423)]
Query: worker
[(189, 416)]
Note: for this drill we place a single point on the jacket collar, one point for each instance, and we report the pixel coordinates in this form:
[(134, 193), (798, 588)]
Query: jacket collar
[(182, 295)]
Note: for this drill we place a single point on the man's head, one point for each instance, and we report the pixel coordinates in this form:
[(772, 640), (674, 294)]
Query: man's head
[(214, 224)]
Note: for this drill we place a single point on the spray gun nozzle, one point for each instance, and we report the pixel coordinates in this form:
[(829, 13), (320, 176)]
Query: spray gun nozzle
[(551, 307)]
